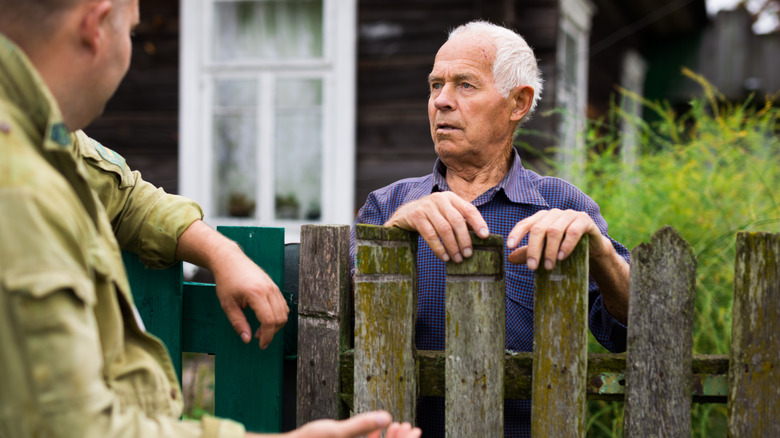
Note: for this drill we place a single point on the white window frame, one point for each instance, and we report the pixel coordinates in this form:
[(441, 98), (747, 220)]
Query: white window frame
[(575, 20), (337, 70)]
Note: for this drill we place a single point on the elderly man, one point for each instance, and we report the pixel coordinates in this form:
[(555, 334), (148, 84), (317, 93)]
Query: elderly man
[(484, 83), (74, 357)]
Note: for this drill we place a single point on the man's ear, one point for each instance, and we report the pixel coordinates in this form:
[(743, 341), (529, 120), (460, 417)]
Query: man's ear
[(522, 97), (94, 18)]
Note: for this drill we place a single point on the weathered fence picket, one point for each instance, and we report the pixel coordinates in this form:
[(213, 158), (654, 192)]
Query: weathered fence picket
[(323, 327), (754, 371), (385, 308), (475, 333), (660, 337), (558, 403)]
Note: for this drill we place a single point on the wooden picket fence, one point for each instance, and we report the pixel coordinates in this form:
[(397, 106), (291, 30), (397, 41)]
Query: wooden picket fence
[(357, 354), (658, 376)]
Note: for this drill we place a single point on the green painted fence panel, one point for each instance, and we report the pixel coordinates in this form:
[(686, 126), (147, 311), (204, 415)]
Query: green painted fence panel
[(158, 297), (248, 380), (187, 317), (200, 309)]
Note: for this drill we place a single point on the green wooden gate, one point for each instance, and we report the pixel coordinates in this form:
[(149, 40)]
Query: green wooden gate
[(188, 318)]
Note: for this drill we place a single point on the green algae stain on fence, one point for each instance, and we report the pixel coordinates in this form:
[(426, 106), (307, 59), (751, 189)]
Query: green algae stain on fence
[(385, 367), (755, 341), (560, 347)]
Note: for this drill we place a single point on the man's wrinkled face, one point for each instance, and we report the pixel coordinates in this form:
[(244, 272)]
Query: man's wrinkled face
[(469, 118)]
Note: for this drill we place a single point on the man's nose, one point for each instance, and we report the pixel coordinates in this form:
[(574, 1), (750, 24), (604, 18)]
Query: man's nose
[(445, 100)]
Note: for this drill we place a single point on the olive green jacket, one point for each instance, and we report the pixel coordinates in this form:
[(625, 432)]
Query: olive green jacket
[(75, 360)]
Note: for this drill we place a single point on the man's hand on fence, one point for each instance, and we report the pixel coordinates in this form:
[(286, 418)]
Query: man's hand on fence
[(370, 423), (443, 219), (557, 232), (240, 282)]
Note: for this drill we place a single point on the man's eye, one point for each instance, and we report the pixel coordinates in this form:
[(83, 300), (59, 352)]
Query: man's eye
[(435, 86), (467, 85)]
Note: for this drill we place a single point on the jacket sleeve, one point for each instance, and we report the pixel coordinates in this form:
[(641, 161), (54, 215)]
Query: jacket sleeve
[(50, 351), (146, 220)]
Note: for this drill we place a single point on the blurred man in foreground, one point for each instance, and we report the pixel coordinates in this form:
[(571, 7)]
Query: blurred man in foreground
[(74, 355)]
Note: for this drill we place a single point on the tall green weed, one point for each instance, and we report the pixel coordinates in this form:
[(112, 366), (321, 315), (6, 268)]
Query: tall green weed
[(709, 171)]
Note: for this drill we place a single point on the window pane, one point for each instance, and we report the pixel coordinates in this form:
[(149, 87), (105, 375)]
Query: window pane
[(298, 149), (235, 134), (268, 30)]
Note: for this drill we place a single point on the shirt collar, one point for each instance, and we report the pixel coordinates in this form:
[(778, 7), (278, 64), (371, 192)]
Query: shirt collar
[(22, 87), (517, 184)]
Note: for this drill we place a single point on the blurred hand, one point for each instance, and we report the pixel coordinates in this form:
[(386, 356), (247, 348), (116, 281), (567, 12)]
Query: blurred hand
[(370, 423), (443, 219)]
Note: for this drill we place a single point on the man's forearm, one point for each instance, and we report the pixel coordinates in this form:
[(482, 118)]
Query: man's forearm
[(204, 246), (612, 274)]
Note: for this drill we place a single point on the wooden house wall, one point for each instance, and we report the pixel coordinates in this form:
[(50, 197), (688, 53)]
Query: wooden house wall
[(141, 121)]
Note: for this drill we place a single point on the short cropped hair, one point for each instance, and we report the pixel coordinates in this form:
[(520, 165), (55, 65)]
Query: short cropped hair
[(40, 17), (515, 63)]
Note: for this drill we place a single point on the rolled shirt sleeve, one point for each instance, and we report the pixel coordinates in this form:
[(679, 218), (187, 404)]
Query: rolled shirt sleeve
[(146, 220)]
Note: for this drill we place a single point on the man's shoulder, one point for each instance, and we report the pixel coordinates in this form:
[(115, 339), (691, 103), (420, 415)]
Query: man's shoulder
[(558, 192), (402, 187), (103, 159)]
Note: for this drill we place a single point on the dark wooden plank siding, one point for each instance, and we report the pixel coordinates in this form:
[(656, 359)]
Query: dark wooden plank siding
[(141, 121)]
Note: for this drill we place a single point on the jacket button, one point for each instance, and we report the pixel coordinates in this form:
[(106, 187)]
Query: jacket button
[(5, 128), (173, 393)]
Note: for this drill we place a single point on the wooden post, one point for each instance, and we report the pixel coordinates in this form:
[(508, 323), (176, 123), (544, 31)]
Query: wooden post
[(660, 337), (475, 333), (561, 347), (385, 308), (323, 329), (754, 371)]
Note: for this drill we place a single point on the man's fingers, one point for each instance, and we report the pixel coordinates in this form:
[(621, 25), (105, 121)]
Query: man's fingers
[(403, 430), (237, 319), (443, 221), (362, 424), (474, 220), (518, 256), (271, 321)]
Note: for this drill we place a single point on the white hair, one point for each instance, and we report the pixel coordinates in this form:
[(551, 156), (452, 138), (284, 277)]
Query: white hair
[(515, 62)]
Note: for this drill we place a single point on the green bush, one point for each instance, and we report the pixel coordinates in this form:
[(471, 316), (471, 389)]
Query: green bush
[(709, 172)]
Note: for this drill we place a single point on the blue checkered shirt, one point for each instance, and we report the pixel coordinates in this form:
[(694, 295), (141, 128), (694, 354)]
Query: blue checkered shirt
[(519, 195)]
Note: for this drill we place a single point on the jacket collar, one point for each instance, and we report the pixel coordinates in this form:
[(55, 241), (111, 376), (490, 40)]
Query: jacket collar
[(23, 90), (517, 184)]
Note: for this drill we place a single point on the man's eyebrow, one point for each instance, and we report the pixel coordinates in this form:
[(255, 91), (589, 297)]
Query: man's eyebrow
[(466, 77), (469, 77)]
